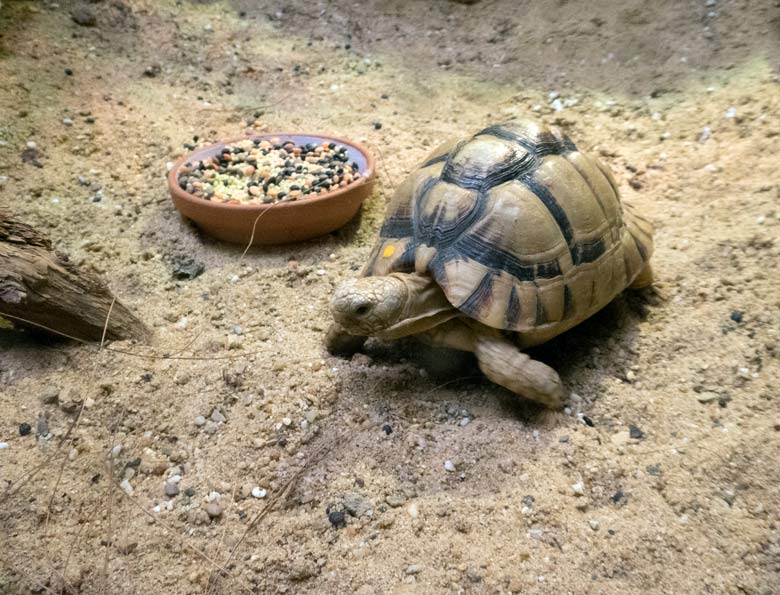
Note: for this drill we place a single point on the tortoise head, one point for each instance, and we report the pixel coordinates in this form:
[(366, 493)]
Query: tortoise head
[(390, 306), (369, 305)]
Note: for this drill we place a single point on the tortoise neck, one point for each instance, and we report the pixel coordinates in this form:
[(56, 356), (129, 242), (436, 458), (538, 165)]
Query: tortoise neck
[(425, 306)]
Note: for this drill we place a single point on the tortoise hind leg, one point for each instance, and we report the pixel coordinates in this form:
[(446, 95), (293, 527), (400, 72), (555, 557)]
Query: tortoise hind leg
[(505, 364), (643, 279)]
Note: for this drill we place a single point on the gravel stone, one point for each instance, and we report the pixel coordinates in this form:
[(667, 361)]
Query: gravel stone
[(356, 505), (214, 509), (50, 395), (449, 466), (200, 421), (395, 500), (187, 269), (42, 425), (171, 489), (84, 17), (24, 429), (337, 518), (217, 417)]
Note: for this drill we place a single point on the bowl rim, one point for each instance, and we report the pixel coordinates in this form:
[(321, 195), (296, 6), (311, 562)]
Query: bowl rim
[(367, 178)]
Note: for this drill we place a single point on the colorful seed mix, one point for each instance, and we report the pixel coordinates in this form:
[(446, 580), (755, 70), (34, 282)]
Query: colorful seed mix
[(257, 171)]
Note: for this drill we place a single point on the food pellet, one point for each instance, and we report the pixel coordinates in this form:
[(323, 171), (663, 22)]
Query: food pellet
[(268, 171)]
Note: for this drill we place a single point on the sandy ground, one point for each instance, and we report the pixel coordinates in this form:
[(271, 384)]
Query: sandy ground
[(678, 463)]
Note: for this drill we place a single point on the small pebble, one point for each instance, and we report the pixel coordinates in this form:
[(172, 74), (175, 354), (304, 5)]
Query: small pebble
[(635, 433), (214, 509), (578, 488), (413, 569), (377, 125), (42, 425), (737, 316), (126, 487), (67, 121), (3, 445), (337, 518), (217, 417), (200, 421), (387, 429), (449, 466), (69, 71), (171, 489), (594, 524), (258, 492), (84, 17), (24, 429)]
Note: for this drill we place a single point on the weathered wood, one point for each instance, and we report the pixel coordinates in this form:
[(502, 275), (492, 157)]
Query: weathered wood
[(43, 287)]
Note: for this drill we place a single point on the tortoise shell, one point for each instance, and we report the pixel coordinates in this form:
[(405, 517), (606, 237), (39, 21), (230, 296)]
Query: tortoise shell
[(520, 229)]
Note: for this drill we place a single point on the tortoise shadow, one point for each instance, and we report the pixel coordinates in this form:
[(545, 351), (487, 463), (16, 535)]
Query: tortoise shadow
[(602, 345)]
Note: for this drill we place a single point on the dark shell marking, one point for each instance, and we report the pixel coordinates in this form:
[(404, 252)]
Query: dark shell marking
[(519, 228)]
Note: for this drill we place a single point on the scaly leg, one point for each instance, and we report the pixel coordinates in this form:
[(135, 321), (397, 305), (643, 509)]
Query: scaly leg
[(643, 279), (505, 364)]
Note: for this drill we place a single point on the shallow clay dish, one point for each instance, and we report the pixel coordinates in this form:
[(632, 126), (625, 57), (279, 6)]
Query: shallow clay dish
[(278, 223)]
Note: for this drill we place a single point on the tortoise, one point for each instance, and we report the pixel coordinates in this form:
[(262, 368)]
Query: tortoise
[(496, 243)]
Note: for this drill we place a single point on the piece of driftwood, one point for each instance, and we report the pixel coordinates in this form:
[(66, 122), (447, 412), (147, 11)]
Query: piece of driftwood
[(44, 288)]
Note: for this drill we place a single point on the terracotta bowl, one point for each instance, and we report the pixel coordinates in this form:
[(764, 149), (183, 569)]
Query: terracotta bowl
[(279, 223)]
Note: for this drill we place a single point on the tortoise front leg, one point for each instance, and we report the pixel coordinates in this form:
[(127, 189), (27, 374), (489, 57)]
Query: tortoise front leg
[(643, 279), (339, 342), (505, 364)]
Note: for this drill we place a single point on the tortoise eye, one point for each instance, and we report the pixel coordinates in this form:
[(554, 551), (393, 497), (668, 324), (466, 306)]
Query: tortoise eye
[(361, 310)]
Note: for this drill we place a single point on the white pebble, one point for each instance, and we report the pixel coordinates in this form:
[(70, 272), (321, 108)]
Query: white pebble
[(182, 323), (3, 445), (67, 121), (465, 421), (116, 450), (169, 165), (286, 421), (449, 466), (334, 87), (258, 492), (3, 180), (594, 524), (535, 533), (31, 144), (760, 219), (174, 479), (578, 488), (731, 112), (126, 487), (557, 105), (413, 510)]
